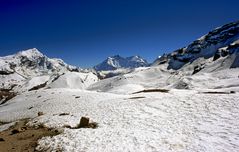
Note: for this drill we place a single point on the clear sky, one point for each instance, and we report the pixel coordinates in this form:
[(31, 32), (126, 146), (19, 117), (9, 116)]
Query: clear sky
[(85, 32)]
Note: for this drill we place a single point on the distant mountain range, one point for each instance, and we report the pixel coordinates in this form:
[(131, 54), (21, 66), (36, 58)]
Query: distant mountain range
[(117, 62), (219, 49)]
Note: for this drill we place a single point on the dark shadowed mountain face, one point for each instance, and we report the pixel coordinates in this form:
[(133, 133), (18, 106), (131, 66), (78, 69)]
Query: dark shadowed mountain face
[(116, 62), (220, 42)]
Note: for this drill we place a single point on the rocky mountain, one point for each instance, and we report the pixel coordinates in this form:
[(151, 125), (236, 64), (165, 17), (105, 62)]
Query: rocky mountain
[(32, 62), (117, 62), (220, 43)]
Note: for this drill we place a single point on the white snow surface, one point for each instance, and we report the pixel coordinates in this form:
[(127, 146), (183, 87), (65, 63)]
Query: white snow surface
[(182, 120), (74, 80)]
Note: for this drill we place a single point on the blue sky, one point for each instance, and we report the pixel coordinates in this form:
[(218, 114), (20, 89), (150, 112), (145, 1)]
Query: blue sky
[(85, 32)]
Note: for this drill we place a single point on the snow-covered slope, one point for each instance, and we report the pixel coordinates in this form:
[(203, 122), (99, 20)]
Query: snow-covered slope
[(117, 62), (182, 120), (30, 68), (206, 60), (208, 46), (74, 80)]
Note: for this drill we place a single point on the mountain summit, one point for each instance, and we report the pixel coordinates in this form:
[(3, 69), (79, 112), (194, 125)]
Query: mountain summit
[(32, 62), (117, 62)]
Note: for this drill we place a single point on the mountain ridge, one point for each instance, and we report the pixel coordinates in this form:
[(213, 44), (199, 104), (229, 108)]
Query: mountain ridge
[(207, 46), (117, 62)]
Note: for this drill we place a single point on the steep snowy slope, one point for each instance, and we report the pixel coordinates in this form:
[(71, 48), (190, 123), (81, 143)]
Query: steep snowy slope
[(205, 47), (117, 62)]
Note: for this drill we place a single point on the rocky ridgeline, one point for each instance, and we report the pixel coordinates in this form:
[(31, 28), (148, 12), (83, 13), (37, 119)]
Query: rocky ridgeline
[(210, 45)]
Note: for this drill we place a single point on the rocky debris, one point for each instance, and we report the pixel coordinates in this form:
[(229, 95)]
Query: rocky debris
[(137, 97), (182, 85), (197, 68), (152, 90), (64, 114), (219, 92), (15, 131), (93, 125), (57, 77), (38, 87), (5, 72), (40, 113), (84, 122), (232, 91), (30, 107), (6, 95)]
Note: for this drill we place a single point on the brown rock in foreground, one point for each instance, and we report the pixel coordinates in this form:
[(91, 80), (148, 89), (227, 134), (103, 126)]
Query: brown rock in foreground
[(84, 122)]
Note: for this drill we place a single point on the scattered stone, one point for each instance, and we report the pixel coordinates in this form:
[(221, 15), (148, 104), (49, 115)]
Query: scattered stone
[(15, 131), (152, 90), (30, 108), (6, 95), (232, 91), (38, 87), (215, 92), (24, 128), (84, 122), (40, 113), (67, 126), (136, 97), (39, 96), (77, 97), (63, 114), (93, 125), (197, 69)]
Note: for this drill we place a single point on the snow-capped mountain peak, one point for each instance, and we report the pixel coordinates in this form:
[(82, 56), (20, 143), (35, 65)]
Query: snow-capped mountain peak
[(30, 63), (117, 62), (30, 53)]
